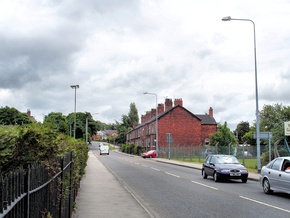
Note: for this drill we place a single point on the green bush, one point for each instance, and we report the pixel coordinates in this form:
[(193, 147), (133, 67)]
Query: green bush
[(127, 148), (36, 143), (137, 149)]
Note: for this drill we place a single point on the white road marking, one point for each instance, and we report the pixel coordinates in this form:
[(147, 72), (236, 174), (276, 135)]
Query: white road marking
[(268, 205), (172, 175), (154, 169), (205, 185)]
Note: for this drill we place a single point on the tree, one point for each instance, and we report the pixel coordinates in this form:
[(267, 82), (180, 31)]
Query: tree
[(223, 138), (272, 118), (11, 116), (127, 124), (57, 121), (122, 131), (241, 130), (248, 136), (133, 115)]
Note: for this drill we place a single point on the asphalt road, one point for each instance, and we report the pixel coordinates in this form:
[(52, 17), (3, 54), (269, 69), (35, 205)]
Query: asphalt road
[(173, 191)]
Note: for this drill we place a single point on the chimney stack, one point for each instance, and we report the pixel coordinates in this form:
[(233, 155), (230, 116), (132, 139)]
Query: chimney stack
[(160, 108), (29, 113), (168, 104), (210, 112), (178, 101), (153, 113)]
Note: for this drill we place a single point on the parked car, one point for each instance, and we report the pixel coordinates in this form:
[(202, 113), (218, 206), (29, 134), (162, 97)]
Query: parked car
[(149, 154), (275, 176), (224, 167), (246, 154)]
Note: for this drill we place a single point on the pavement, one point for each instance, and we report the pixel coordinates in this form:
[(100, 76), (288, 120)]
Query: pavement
[(101, 194)]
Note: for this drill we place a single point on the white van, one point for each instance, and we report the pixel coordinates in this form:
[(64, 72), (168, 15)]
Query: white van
[(104, 149)]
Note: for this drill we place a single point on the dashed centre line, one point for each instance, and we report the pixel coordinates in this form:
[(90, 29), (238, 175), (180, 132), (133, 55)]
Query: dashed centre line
[(205, 185), (172, 175), (268, 205), (155, 169)]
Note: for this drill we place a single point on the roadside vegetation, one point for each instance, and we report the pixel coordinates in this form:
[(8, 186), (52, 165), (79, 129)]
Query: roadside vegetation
[(23, 141)]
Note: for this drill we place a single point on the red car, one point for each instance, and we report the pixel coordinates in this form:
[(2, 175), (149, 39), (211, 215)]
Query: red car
[(149, 154)]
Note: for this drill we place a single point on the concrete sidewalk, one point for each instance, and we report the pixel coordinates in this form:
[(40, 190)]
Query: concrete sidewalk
[(102, 195)]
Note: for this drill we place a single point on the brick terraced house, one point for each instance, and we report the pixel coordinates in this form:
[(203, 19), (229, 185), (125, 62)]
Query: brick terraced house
[(186, 128)]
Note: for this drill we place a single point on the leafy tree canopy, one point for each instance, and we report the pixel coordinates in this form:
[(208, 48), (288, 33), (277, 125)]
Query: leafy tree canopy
[(11, 116), (56, 121), (272, 118), (127, 124), (241, 130), (223, 136)]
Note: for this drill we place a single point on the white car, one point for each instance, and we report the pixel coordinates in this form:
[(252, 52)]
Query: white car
[(104, 149), (275, 176)]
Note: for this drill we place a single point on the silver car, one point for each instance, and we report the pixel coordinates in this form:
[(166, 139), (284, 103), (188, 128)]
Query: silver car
[(275, 176)]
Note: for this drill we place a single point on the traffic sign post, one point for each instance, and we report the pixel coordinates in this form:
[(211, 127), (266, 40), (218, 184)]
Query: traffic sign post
[(169, 140), (266, 135)]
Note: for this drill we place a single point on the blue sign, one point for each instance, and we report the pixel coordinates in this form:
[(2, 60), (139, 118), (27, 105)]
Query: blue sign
[(169, 137), (263, 135)]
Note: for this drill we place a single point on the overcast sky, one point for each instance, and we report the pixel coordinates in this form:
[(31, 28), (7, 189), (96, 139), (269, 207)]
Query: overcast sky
[(117, 49)]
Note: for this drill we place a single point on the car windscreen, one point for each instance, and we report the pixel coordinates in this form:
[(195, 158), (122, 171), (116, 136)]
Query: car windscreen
[(227, 160)]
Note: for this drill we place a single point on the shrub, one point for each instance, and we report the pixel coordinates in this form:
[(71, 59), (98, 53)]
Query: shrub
[(36, 143), (137, 149)]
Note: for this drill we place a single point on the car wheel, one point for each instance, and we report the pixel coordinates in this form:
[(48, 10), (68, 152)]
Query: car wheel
[(244, 180), (267, 187), (215, 177), (204, 175)]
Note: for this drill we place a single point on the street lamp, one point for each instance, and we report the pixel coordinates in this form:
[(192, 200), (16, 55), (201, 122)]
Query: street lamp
[(89, 115), (156, 121), (75, 87), (228, 18)]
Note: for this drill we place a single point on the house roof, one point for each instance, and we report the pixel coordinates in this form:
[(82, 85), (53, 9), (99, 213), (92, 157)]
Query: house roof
[(204, 118)]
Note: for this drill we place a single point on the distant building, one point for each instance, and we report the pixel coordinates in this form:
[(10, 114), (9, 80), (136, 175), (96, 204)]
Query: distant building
[(104, 134), (29, 115), (185, 128)]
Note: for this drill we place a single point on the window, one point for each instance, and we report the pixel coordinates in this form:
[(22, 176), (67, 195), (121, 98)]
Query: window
[(276, 164)]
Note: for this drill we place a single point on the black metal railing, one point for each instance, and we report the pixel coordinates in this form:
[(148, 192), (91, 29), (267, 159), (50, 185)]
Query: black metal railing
[(39, 191)]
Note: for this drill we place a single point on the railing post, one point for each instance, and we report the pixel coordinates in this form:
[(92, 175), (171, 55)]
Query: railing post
[(70, 185), (61, 187), (27, 189), (1, 193)]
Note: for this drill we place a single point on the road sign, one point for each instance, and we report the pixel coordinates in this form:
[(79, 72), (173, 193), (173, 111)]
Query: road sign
[(263, 135), (169, 137), (287, 128)]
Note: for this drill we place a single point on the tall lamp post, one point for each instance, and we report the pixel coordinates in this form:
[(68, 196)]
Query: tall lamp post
[(228, 18), (75, 87), (156, 121)]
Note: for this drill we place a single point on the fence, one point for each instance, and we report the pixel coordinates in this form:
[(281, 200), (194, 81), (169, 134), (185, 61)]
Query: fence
[(39, 191), (193, 151)]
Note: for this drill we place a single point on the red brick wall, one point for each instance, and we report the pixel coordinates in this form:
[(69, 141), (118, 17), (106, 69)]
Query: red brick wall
[(184, 128), (207, 131)]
